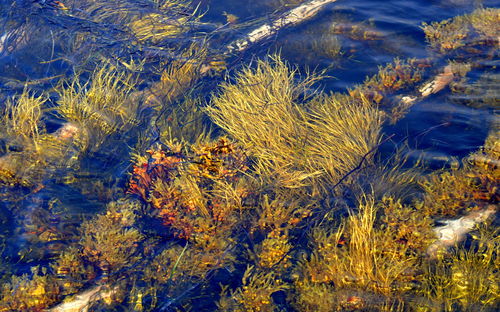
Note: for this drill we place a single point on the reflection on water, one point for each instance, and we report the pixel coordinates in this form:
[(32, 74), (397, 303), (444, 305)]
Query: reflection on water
[(146, 166)]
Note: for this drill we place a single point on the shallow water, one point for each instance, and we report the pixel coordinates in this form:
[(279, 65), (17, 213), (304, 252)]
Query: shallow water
[(435, 132)]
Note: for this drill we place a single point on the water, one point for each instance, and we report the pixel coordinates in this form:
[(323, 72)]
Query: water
[(55, 185)]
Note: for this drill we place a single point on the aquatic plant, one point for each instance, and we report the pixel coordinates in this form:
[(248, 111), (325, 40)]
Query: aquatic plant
[(485, 21), (25, 130), (71, 270), (177, 77), (390, 178), (110, 240), (278, 4), (275, 221), (306, 47), (469, 188), (329, 46), (29, 292), (356, 31), (17, 170), (294, 211), (174, 272), (390, 79), (478, 28), (306, 294), (407, 224), (197, 195), (22, 118), (481, 93), (467, 278), (100, 107), (361, 258), (446, 35), (155, 27), (184, 120), (294, 147), (254, 294)]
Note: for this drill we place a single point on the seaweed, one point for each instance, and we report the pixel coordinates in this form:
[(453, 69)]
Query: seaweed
[(479, 28), (24, 130), (469, 188), (254, 294), (110, 241), (198, 196), (394, 77), (468, 277), (22, 118), (296, 147), (354, 264), (30, 292), (481, 93), (101, 107)]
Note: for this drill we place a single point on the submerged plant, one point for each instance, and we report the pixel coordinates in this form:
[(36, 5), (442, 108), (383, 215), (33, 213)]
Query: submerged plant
[(29, 292), (408, 225), (171, 19), (291, 212), (155, 27), (468, 278), (22, 118), (110, 241), (298, 148), (198, 195), (481, 93), (71, 270), (32, 150), (478, 28), (355, 264), (176, 78), (465, 189), (101, 107), (390, 79), (254, 294)]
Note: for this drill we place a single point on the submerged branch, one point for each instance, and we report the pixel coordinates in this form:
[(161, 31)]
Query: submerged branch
[(293, 17), (455, 230), (83, 300)]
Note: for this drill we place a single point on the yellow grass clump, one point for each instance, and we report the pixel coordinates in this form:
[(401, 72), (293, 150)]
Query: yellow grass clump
[(101, 107), (22, 118), (295, 147)]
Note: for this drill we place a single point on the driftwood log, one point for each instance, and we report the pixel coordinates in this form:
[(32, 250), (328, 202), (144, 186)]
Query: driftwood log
[(291, 18), (434, 86)]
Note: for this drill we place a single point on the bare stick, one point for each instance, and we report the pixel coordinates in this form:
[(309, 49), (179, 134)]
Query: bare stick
[(290, 18)]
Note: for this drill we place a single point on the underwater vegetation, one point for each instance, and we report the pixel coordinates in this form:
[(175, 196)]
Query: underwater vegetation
[(468, 278), (147, 182), (478, 93), (464, 32), (296, 145), (101, 109)]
